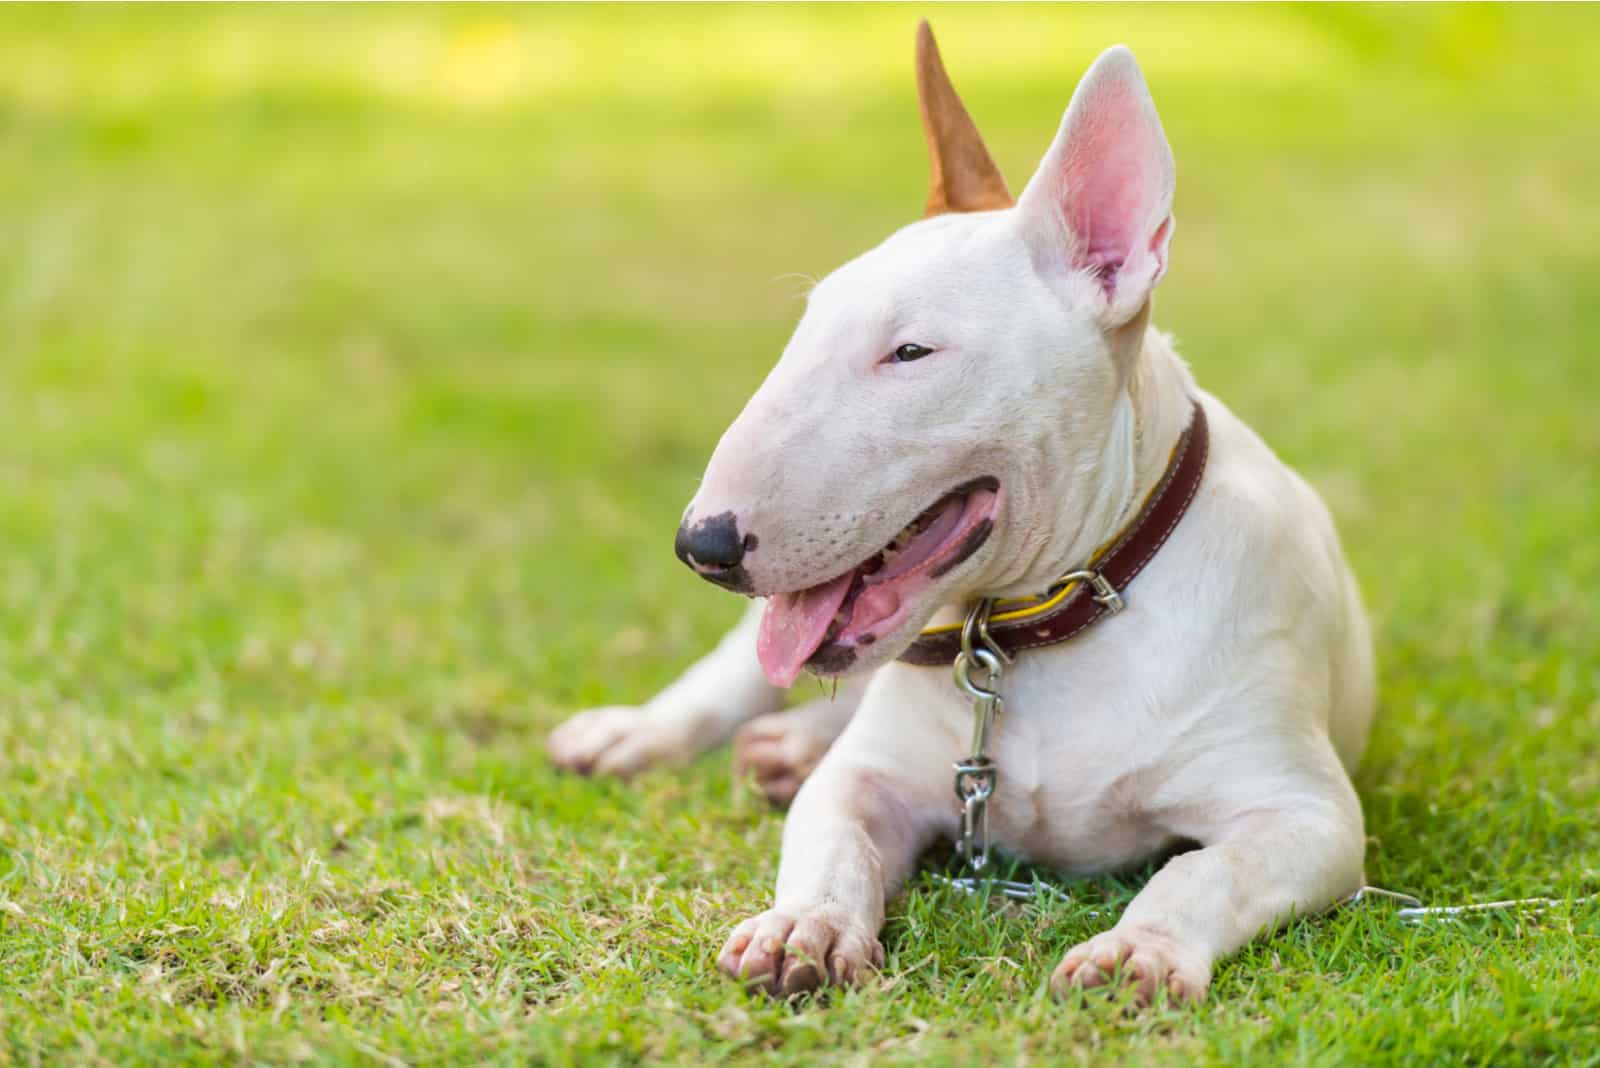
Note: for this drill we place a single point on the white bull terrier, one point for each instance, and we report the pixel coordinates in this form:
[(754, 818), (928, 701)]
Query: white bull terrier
[(969, 412)]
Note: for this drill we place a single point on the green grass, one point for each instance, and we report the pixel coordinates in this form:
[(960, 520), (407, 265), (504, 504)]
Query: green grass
[(355, 366)]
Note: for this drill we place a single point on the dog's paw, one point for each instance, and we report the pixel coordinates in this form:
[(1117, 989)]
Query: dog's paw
[(617, 740), (785, 954), (1145, 959), (779, 751)]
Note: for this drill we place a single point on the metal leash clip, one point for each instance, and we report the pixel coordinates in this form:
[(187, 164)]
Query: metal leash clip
[(976, 777)]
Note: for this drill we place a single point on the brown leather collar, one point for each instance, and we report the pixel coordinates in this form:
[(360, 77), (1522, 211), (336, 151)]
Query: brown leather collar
[(1086, 596)]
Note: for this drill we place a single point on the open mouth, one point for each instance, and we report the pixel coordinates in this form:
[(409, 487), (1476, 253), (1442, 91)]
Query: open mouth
[(821, 627)]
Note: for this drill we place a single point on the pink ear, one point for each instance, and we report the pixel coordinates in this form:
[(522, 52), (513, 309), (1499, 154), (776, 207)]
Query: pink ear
[(1101, 200)]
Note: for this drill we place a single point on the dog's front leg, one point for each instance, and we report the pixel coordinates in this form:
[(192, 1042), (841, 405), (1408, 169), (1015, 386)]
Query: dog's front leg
[(779, 751), (699, 711), (1255, 870), (852, 836)]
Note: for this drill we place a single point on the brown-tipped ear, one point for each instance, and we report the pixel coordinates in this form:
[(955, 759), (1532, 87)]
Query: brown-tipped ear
[(963, 177)]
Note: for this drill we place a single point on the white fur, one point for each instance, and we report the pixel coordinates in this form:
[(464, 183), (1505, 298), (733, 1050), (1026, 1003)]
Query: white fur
[(1225, 706)]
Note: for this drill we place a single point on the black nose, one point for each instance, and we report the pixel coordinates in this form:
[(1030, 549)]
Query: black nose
[(715, 549)]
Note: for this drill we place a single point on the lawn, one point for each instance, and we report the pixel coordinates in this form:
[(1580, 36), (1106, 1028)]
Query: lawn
[(356, 364)]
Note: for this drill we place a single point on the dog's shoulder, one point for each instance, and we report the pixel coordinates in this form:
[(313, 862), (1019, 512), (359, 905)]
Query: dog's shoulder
[(1254, 496), (1257, 554)]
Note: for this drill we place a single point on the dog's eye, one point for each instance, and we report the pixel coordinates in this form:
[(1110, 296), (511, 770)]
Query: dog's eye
[(908, 352)]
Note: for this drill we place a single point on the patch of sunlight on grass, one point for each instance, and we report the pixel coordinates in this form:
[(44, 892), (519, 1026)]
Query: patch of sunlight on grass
[(476, 59)]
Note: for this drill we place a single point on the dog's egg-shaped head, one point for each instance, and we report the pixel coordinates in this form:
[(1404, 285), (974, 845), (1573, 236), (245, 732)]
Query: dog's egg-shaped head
[(947, 397)]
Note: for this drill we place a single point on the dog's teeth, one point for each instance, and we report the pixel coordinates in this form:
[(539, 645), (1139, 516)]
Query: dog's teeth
[(904, 538)]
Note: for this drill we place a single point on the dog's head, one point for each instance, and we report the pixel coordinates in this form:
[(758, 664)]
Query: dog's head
[(941, 423)]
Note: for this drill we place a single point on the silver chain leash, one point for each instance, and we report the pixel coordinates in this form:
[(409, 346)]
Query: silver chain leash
[(1413, 911)]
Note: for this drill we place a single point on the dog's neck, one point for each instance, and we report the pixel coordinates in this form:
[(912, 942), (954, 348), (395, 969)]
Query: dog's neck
[(1161, 398), (1098, 500)]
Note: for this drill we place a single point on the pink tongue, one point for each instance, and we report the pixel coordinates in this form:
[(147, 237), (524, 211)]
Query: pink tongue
[(793, 626)]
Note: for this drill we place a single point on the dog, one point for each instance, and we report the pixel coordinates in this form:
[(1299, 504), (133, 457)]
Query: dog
[(964, 415)]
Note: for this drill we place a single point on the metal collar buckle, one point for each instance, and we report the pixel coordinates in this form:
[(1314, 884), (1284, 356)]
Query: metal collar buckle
[(1104, 593)]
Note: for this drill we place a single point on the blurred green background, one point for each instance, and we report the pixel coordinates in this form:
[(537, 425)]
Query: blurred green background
[(355, 366)]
